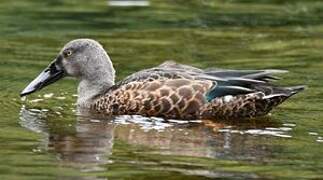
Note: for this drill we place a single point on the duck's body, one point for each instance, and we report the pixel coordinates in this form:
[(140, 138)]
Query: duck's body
[(170, 90), (182, 92)]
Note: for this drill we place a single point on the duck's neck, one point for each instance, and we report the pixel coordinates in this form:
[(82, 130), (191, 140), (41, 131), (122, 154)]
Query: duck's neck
[(88, 90), (95, 83)]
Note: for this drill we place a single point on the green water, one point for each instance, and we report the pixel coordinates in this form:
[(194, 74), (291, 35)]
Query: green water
[(42, 138)]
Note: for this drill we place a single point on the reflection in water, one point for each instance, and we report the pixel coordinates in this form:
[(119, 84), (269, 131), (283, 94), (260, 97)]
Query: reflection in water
[(84, 143), (90, 143), (87, 142)]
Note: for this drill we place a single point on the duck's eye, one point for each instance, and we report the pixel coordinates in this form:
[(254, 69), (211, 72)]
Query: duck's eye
[(68, 53)]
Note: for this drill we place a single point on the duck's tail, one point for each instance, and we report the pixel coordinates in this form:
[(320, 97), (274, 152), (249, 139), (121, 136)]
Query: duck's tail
[(248, 105), (281, 91), (295, 89)]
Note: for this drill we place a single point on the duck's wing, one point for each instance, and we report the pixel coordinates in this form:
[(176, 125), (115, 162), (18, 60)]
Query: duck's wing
[(235, 82), (227, 82)]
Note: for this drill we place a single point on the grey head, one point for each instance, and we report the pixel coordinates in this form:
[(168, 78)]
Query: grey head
[(84, 59)]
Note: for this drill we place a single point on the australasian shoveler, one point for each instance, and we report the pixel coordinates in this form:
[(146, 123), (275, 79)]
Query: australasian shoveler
[(169, 90)]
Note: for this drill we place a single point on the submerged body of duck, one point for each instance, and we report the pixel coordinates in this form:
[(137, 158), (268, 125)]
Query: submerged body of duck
[(169, 90)]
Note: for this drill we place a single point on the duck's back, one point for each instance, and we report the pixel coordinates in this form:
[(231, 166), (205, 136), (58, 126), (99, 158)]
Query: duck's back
[(183, 92)]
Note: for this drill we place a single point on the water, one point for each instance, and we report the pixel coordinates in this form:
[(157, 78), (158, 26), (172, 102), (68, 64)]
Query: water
[(128, 3), (42, 138)]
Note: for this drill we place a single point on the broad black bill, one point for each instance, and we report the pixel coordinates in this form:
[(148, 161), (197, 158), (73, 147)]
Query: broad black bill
[(50, 75)]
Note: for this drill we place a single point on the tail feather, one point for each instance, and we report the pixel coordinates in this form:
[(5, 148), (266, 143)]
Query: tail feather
[(275, 99), (295, 89), (289, 91)]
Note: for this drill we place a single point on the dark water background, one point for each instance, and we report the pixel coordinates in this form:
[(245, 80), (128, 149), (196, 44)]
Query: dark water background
[(42, 138)]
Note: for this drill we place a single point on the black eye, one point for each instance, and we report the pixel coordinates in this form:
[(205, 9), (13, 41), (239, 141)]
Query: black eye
[(67, 53)]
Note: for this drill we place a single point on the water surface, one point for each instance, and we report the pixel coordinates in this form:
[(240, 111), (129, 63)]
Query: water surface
[(42, 137)]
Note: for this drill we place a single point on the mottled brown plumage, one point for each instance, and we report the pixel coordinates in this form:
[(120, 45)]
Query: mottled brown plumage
[(171, 98), (168, 91)]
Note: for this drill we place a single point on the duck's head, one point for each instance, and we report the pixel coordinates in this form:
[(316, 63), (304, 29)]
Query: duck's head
[(84, 59)]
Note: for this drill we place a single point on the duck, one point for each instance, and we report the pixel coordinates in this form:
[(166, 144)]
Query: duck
[(170, 90)]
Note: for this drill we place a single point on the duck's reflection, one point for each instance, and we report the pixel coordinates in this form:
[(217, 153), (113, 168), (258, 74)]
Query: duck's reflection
[(79, 143), (90, 141)]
